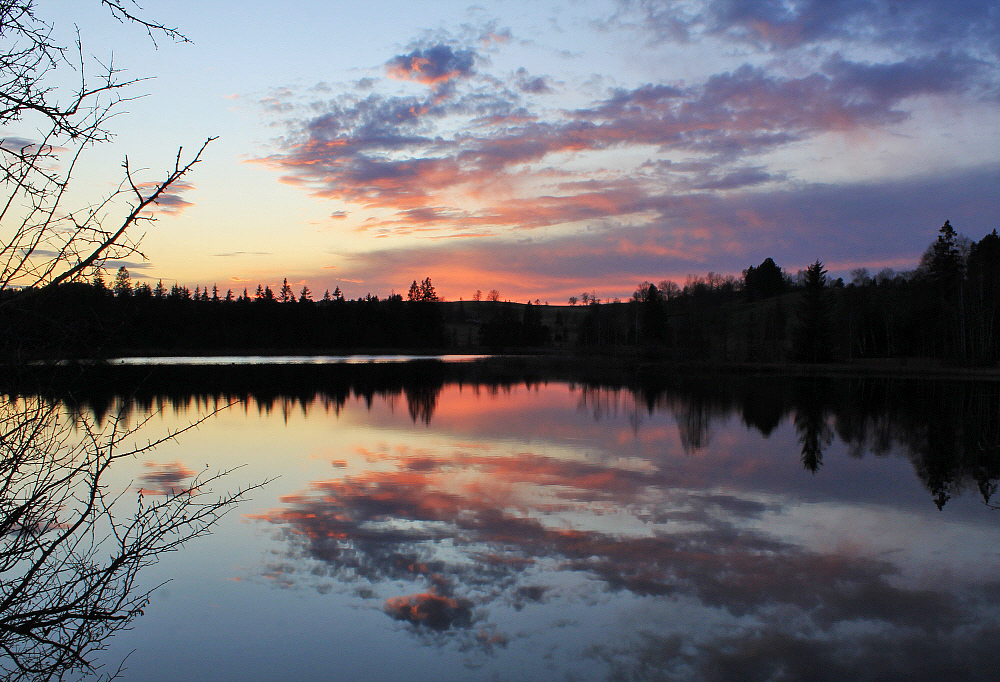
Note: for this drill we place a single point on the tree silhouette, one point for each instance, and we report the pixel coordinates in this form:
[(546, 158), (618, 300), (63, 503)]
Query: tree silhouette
[(943, 267), (813, 333), (427, 292), (943, 259), (983, 299), (763, 281), (123, 283)]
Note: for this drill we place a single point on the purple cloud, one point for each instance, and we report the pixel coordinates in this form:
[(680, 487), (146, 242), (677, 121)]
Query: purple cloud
[(774, 24), (683, 173), (535, 85), (397, 152), (432, 65)]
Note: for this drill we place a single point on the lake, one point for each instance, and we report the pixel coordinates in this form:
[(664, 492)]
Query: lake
[(499, 521)]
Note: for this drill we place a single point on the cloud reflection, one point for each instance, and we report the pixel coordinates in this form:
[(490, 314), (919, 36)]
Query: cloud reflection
[(164, 479), (480, 531), (431, 610)]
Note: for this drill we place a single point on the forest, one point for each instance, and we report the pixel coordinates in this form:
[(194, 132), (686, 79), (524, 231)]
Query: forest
[(946, 310)]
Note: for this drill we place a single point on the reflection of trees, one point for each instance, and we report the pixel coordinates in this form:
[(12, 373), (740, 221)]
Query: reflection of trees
[(70, 550), (421, 401), (810, 423), (949, 429)]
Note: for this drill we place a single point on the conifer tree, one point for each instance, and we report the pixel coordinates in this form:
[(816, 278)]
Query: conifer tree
[(427, 292), (813, 332), (123, 283), (943, 260)]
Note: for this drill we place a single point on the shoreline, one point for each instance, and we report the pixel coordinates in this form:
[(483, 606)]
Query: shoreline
[(547, 358)]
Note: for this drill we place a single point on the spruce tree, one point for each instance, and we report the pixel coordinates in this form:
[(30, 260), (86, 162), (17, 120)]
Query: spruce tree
[(123, 283), (813, 333), (285, 294)]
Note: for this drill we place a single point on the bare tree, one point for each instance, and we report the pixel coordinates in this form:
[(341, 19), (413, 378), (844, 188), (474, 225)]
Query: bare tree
[(70, 552), (43, 241), (71, 547)]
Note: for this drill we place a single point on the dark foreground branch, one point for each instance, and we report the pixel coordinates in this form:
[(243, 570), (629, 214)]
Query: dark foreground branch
[(71, 549)]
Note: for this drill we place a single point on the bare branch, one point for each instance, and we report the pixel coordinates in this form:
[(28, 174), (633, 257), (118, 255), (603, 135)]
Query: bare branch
[(123, 12), (71, 547), (43, 242), (69, 552), (141, 203)]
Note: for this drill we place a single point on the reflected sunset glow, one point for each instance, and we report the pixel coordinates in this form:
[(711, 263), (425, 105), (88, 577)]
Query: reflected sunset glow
[(696, 529)]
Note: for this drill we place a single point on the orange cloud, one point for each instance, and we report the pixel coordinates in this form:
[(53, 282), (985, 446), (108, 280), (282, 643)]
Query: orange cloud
[(433, 65)]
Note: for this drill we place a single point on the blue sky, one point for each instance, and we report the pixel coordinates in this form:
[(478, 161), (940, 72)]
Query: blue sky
[(550, 148)]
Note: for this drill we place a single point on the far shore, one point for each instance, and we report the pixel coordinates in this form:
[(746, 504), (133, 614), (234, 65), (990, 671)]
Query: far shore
[(597, 361)]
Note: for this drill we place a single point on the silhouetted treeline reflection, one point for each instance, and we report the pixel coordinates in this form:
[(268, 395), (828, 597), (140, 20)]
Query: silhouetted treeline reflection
[(950, 429), (537, 519)]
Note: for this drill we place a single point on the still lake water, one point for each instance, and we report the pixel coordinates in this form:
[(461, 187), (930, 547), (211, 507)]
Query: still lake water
[(449, 524)]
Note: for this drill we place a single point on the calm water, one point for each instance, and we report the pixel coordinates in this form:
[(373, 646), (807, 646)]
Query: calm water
[(515, 526)]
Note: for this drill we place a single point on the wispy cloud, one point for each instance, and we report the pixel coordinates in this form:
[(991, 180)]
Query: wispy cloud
[(463, 151), (778, 26), (171, 201), (844, 224)]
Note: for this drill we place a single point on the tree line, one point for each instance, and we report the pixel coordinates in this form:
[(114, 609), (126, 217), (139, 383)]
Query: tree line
[(85, 319), (946, 309)]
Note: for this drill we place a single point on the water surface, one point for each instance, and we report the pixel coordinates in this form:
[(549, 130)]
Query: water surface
[(444, 526)]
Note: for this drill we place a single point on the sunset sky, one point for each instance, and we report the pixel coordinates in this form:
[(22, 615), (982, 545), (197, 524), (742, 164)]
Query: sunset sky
[(550, 148)]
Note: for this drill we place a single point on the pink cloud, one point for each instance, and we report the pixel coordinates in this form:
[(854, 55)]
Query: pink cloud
[(170, 202), (164, 479), (432, 65)]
